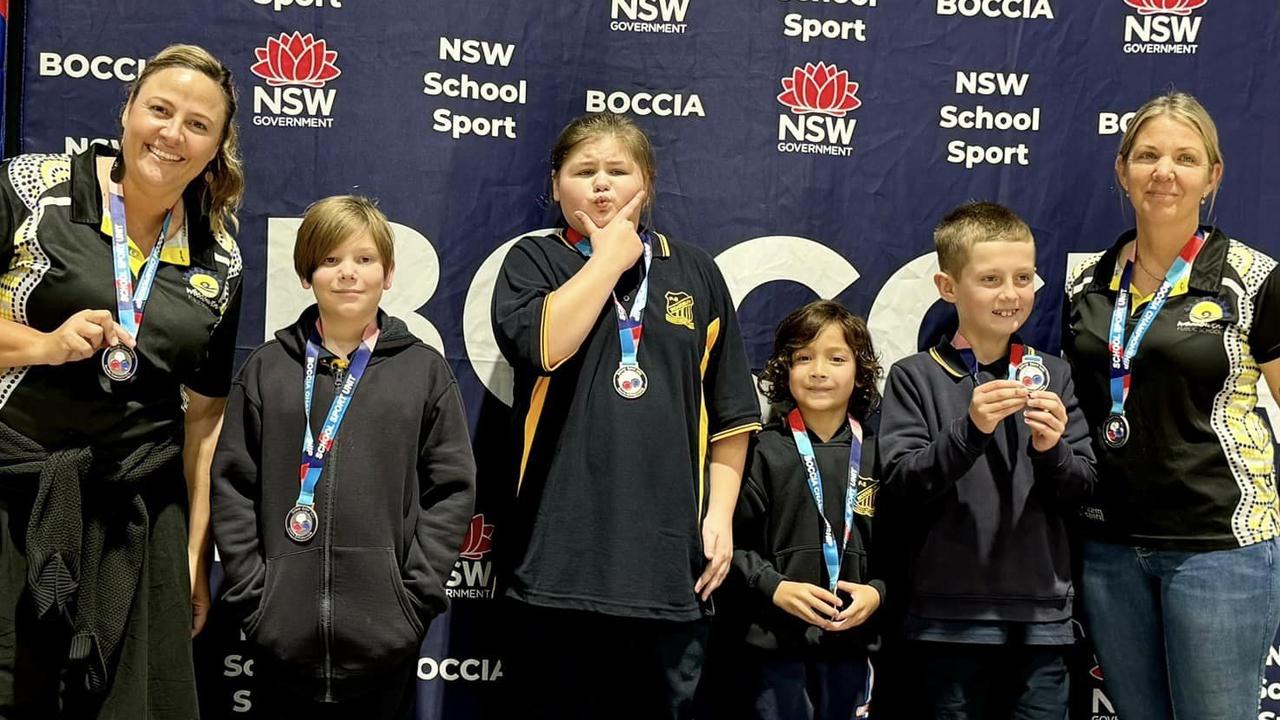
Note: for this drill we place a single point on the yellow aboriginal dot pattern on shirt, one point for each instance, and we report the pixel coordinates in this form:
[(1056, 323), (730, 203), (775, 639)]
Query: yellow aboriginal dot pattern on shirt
[(1245, 437)]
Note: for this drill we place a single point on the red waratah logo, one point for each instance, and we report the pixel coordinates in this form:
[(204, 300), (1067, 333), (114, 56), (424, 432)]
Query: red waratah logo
[(1165, 7), (1096, 672), (478, 540), (820, 88), (296, 59)]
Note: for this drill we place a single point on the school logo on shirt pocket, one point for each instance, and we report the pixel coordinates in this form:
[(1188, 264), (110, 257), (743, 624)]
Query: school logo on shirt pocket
[(865, 501), (1206, 316), (680, 309), (203, 286)]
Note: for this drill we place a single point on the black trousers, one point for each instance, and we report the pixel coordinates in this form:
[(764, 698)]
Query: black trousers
[(570, 664)]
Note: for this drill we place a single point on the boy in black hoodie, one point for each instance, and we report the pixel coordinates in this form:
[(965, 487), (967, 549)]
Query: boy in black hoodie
[(983, 441), (803, 525), (339, 567)]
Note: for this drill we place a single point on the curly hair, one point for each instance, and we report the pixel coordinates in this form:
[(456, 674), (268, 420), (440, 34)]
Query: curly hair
[(802, 327)]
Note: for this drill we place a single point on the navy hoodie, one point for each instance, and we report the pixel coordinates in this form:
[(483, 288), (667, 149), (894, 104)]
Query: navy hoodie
[(394, 502), (989, 513)]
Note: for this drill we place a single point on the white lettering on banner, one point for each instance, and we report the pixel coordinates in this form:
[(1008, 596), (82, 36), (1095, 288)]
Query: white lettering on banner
[(278, 5), (435, 83), (1101, 703), (237, 665), (991, 83), (474, 52), (961, 153), (980, 118), (243, 701), (1110, 123), (75, 146), (416, 280), (487, 361), (1014, 9), (644, 103), (649, 10), (797, 25), (458, 125), (817, 129), (1273, 656), (292, 101), (452, 669), (102, 67)]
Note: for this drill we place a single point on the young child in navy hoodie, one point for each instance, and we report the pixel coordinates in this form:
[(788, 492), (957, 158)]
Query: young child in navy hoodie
[(339, 567), (802, 528), (983, 443)]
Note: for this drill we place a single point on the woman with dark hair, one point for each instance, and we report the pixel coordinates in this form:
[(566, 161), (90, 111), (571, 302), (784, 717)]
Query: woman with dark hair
[(118, 314), (1171, 332)]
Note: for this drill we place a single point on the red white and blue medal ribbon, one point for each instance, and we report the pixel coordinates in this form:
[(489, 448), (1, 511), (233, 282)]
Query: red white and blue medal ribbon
[(302, 521), (119, 361), (831, 554), (1025, 366), (629, 380), (1115, 430)]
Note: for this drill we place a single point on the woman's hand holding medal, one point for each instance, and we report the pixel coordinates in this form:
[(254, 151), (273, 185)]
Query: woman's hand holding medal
[(80, 336)]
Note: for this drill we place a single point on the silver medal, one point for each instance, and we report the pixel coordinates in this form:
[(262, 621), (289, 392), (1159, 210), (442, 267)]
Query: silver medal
[(630, 381)]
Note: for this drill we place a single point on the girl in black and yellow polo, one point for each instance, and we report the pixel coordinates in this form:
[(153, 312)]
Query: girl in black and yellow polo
[(630, 382)]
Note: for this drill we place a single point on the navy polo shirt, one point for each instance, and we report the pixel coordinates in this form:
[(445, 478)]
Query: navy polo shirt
[(1198, 472), (56, 255), (610, 490)]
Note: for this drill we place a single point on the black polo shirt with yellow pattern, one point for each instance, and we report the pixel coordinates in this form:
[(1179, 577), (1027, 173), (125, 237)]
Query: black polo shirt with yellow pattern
[(611, 490), (57, 262), (1198, 472)]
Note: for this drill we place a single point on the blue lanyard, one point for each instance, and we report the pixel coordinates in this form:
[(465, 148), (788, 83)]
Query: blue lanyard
[(313, 453), (130, 304), (630, 325), (1016, 351), (830, 552), (1122, 353)]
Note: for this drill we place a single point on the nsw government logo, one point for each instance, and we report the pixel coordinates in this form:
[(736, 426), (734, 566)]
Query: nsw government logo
[(472, 575), (649, 16), (296, 68), (1162, 27), (818, 96)]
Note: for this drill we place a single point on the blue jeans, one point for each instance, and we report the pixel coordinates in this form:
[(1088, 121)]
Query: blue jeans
[(1182, 635), (785, 688), (964, 681)]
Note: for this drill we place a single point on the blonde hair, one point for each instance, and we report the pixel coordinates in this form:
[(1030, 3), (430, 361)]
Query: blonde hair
[(221, 186), (971, 224), (593, 127), (332, 221), (1184, 108)]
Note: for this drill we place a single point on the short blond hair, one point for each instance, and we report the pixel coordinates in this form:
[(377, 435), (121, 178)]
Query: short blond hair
[(973, 223), (332, 221)]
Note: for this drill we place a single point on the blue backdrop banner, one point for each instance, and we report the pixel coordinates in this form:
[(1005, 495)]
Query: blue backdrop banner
[(809, 145)]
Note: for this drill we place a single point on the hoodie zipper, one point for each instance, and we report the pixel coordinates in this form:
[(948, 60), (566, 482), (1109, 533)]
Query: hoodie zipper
[(326, 587)]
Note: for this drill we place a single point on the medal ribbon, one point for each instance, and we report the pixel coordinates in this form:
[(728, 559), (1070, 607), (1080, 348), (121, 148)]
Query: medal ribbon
[(313, 453), (1122, 353), (630, 325), (129, 304), (830, 553), (961, 344)]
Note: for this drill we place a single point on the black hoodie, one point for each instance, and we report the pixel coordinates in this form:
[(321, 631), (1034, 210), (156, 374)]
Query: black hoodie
[(393, 502), (778, 536)]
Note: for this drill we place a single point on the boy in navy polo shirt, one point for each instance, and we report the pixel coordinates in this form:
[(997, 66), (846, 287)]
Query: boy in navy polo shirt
[(340, 568), (983, 441)]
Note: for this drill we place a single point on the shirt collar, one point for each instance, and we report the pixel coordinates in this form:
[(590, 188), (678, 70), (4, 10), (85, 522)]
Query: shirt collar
[(946, 355), (1206, 271), (86, 208), (661, 246)]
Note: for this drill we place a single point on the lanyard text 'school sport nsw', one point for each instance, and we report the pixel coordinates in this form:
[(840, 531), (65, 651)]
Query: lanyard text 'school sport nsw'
[(1025, 366), (831, 553), (1115, 430), (302, 522), (120, 361), (629, 380)]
